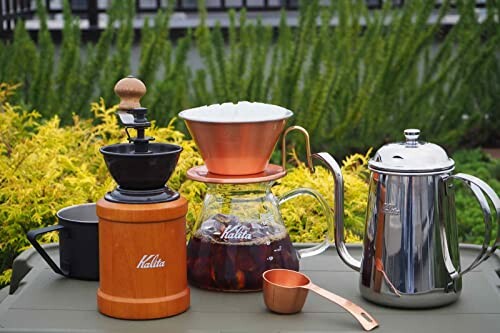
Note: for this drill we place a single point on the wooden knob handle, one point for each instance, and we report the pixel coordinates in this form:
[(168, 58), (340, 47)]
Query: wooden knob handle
[(130, 90)]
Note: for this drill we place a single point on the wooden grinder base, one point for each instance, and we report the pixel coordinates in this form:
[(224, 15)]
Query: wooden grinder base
[(142, 259)]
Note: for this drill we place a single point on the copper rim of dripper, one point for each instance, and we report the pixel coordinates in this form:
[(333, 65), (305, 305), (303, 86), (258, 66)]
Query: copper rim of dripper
[(201, 174)]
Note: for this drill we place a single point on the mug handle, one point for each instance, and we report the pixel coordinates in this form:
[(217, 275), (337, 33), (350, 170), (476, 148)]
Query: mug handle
[(33, 234), (318, 248), (478, 188)]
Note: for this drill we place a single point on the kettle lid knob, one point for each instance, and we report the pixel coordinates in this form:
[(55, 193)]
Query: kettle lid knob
[(412, 135), (411, 157)]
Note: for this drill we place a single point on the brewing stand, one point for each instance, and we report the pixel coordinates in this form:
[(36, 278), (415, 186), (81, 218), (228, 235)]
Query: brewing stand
[(240, 232)]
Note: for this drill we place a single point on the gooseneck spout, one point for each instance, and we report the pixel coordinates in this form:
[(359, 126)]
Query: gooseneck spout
[(334, 168)]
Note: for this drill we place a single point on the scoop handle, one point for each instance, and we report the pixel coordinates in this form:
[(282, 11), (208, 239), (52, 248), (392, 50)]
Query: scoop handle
[(364, 318)]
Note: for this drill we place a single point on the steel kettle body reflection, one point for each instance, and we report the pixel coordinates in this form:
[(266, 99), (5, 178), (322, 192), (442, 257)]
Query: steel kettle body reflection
[(403, 262), (410, 250)]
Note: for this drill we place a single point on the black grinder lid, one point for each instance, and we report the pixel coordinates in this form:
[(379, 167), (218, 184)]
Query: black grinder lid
[(140, 168)]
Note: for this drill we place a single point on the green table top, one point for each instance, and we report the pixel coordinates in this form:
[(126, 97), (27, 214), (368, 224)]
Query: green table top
[(43, 301)]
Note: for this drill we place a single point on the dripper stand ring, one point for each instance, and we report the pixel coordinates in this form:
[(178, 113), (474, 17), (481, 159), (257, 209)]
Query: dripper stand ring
[(201, 174)]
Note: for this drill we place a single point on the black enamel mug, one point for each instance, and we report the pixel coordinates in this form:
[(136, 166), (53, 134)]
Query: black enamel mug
[(78, 242)]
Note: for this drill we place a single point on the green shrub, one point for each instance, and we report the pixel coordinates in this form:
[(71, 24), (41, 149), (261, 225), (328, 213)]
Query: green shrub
[(353, 86)]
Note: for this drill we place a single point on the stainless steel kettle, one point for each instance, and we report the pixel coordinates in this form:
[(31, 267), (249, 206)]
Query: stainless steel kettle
[(410, 249)]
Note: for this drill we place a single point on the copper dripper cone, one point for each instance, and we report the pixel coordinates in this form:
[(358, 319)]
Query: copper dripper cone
[(236, 139)]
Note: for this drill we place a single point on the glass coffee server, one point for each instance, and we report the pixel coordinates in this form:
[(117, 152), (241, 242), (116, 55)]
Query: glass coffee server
[(240, 232)]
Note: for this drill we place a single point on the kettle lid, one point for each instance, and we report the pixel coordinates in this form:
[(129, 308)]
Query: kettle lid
[(411, 157)]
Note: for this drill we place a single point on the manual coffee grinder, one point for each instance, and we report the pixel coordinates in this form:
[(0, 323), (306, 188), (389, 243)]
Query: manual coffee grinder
[(142, 236)]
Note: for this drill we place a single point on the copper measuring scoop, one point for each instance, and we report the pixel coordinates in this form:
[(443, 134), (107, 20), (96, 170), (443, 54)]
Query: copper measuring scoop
[(285, 291)]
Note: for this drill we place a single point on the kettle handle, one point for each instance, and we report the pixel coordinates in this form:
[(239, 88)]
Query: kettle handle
[(479, 188), (334, 168)]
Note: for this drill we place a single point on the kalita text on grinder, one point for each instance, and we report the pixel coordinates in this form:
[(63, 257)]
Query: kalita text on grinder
[(142, 224)]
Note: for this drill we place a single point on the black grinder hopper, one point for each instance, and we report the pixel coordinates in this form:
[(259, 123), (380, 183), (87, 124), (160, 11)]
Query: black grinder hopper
[(140, 168)]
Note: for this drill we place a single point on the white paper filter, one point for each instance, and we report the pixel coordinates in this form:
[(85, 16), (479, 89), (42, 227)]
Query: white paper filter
[(241, 112)]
